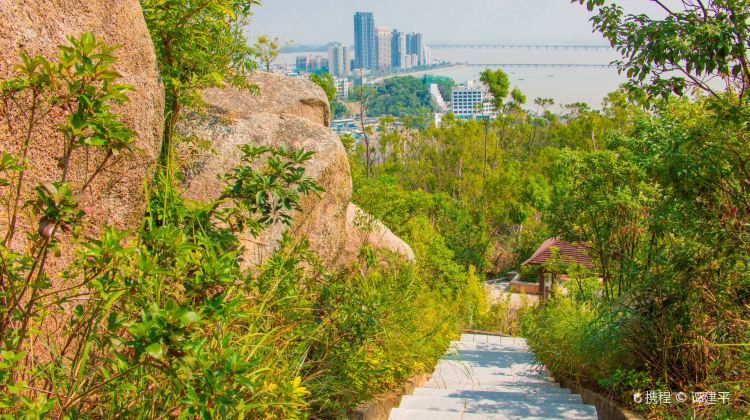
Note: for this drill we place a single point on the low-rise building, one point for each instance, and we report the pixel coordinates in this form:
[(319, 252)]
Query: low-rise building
[(471, 102), (342, 88), (311, 63)]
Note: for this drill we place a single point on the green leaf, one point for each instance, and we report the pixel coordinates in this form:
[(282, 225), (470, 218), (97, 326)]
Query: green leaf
[(189, 318), (156, 350)]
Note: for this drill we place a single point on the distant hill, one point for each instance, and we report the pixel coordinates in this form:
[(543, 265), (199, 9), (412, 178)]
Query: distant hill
[(304, 48)]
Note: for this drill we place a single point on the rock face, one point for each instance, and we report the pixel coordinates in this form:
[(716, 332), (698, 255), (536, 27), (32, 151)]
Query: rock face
[(290, 112), (362, 229), (279, 95), (37, 27)]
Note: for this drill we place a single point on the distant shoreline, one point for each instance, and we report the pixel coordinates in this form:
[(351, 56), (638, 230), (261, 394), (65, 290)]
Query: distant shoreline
[(420, 72)]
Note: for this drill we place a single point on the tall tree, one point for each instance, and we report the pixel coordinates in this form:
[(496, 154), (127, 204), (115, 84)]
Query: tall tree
[(363, 95)]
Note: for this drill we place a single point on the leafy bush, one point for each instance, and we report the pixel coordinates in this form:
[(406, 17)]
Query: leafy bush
[(164, 321)]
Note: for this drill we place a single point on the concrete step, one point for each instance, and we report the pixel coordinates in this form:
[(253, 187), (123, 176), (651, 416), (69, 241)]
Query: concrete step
[(462, 345), (491, 377), (450, 381), (486, 406), (509, 387), (493, 339), (473, 369), (416, 414), (510, 394), (501, 359), (409, 414)]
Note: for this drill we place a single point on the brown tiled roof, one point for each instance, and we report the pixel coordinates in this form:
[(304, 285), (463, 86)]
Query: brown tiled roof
[(568, 252)]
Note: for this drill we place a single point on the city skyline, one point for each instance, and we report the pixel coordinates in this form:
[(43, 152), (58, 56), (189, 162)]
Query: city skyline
[(480, 21)]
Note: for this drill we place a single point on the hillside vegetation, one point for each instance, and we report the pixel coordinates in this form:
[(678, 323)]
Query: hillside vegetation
[(167, 317)]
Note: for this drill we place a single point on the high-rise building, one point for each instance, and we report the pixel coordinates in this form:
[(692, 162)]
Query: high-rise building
[(384, 36), (415, 45), (365, 41), (338, 60), (398, 49)]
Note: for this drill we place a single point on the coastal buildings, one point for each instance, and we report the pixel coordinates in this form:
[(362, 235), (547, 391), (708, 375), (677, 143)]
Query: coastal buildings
[(415, 46), (385, 37), (311, 63), (471, 102), (365, 41), (398, 49), (339, 61), (342, 88), (380, 48)]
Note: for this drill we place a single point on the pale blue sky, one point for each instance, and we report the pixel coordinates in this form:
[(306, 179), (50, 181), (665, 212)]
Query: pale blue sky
[(480, 21)]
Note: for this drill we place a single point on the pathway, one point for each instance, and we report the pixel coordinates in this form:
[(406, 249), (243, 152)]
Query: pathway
[(490, 377)]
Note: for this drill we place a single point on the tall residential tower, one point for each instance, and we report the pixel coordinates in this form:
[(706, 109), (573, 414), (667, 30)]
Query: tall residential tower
[(415, 46), (398, 49), (338, 60), (385, 38), (365, 41)]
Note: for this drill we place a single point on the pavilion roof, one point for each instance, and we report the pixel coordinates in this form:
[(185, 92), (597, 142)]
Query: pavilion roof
[(570, 253)]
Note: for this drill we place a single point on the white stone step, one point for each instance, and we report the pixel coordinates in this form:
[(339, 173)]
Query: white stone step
[(491, 377), (488, 406), (416, 414), (463, 345), (491, 358), (552, 394), (468, 368), (409, 414), (493, 339), (450, 381)]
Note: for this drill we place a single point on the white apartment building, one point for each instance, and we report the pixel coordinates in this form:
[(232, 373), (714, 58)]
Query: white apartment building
[(470, 101), (342, 88)]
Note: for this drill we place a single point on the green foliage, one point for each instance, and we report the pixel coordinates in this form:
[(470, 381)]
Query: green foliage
[(603, 208), (692, 44), (199, 45), (498, 85), (266, 49), (445, 84), (399, 97), (261, 198), (339, 110), (166, 321), (326, 83)]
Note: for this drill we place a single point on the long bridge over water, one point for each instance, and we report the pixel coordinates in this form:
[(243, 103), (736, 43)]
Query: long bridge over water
[(518, 47), (542, 65)]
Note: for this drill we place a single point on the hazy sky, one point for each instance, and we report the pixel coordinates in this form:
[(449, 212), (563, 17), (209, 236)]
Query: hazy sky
[(481, 21)]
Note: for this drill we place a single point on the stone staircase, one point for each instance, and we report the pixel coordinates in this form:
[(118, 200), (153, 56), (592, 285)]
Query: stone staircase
[(490, 377)]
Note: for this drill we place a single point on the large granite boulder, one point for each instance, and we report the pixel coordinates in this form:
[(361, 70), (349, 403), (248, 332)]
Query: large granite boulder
[(363, 229), (37, 27), (322, 218), (279, 95), (289, 112)]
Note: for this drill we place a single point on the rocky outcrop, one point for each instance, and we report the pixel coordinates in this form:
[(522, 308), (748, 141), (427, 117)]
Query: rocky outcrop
[(37, 27), (363, 229), (323, 216), (290, 112), (278, 95)]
